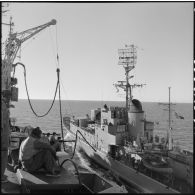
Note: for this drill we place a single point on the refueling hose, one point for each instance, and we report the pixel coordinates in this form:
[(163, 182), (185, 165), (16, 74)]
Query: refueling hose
[(74, 167), (76, 143), (57, 85), (19, 63)]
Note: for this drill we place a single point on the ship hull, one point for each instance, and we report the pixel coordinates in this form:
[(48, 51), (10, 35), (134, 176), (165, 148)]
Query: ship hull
[(182, 170), (140, 182)]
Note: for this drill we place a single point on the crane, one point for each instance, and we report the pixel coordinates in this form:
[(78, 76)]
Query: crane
[(16, 39), (12, 46)]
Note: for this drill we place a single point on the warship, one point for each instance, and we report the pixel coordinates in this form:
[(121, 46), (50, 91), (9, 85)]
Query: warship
[(71, 180), (122, 141)]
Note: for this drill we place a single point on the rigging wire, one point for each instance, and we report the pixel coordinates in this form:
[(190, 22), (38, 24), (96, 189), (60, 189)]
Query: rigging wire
[(58, 72), (52, 41), (28, 43), (20, 54), (59, 79), (19, 63), (57, 47), (68, 98)]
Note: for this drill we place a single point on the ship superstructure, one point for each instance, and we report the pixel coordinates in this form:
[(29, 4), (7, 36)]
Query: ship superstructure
[(119, 125), (120, 135)]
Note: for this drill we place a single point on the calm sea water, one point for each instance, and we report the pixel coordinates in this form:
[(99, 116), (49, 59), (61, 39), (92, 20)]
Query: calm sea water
[(182, 129)]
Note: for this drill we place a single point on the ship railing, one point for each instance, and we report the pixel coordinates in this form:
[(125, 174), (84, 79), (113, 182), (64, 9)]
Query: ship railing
[(74, 123), (188, 153), (98, 125), (88, 129)]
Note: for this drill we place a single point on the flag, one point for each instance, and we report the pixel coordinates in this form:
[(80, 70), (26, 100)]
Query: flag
[(178, 116)]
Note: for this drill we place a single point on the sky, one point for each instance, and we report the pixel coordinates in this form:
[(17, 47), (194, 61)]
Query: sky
[(87, 37)]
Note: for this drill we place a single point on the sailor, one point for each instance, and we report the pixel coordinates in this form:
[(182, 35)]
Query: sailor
[(142, 145), (105, 107), (138, 164), (48, 135), (35, 154), (5, 132), (44, 139), (133, 162), (54, 142)]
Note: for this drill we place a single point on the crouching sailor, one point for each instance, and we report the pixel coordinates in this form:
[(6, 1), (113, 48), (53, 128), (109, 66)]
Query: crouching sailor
[(35, 154)]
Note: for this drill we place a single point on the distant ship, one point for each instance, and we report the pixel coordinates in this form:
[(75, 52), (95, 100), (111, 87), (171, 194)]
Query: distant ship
[(119, 136)]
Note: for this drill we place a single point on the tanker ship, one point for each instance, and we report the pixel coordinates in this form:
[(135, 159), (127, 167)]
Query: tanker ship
[(122, 141)]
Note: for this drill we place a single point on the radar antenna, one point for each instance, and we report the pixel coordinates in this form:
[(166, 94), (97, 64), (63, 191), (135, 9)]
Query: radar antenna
[(128, 59)]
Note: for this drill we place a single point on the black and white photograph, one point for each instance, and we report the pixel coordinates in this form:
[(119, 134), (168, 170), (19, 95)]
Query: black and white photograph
[(97, 97)]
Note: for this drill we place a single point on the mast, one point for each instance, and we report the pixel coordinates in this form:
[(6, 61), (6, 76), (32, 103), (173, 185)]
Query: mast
[(169, 133), (128, 59), (169, 108)]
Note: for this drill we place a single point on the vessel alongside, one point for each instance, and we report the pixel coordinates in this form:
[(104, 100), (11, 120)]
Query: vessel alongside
[(121, 135)]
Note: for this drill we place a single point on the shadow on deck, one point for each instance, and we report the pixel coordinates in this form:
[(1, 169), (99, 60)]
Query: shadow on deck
[(12, 186)]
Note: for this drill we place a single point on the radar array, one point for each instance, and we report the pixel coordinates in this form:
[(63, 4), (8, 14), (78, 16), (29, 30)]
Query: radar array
[(128, 59)]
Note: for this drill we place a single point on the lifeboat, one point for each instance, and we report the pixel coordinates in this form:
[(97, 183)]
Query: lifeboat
[(157, 164)]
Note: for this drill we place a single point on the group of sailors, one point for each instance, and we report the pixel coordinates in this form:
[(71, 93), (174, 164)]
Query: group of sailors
[(53, 140), (35, 152)]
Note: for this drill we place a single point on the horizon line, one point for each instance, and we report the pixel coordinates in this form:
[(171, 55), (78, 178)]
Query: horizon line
[(110, 101)]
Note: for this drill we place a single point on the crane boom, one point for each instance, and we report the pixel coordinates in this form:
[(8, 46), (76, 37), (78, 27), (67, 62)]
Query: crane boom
[(12, 45), (31, 32), (16, 39)]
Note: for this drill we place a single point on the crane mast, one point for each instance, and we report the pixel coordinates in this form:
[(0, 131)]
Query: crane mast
[(16, 39), (12, 45)]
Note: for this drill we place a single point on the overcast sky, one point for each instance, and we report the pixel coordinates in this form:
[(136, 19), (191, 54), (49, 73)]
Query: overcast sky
[(87, 37)]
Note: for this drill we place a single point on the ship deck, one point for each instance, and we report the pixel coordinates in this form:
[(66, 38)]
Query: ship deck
[(136, 179), (24, 179), (69, 180), (12, 186)]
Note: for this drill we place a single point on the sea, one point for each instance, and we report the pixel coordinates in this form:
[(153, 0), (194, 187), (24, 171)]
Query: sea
[(182, 129)]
